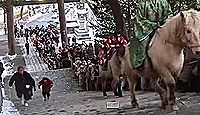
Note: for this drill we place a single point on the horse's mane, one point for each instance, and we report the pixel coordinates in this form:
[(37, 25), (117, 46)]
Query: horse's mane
[(174, 26)]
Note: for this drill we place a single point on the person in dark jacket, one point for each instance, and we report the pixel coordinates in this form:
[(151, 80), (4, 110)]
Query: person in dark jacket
[(96, 47), (27, 47), (16, 31), (1, 70), (26, 34), (46, 84), (24, 84)]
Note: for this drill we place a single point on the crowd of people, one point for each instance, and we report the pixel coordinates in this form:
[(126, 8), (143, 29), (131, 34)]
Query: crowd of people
[(45, 40), (83, 58)]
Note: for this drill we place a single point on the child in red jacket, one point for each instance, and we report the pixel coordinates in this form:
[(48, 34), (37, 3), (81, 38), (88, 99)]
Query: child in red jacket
[(46, 84)]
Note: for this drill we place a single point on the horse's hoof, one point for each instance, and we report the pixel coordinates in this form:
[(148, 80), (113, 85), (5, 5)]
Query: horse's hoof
[(105, 97), (105, 94), (163, 107), (135, 105), (115, 94), (175, 107), (120, 96)]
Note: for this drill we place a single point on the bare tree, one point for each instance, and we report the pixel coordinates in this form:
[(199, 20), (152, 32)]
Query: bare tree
[(10, 25)]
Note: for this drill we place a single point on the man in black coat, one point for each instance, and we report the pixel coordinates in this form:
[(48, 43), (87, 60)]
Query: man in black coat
[(1, 70), (24, 84), (26, 34), (27, 47)]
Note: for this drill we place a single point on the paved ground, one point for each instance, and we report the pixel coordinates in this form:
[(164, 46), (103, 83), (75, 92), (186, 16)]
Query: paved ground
[(68, 99), (3, 44)]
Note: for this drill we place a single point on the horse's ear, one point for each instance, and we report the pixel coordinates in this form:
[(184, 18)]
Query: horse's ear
[(183, 18), (181, 14)]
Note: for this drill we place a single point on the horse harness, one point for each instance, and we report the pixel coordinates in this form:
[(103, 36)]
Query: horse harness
[(181, 44)]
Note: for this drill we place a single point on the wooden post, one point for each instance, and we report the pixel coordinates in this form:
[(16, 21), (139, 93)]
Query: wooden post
[(4, 20), (62, 22), (10, 26)]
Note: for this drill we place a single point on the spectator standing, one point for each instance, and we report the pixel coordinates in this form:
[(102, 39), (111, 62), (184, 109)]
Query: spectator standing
[(27, 47), (1, 70)]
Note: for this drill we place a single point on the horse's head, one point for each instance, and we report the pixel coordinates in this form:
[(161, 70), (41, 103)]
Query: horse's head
[(190, 20)]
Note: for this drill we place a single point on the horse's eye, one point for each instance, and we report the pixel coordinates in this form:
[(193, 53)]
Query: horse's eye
[(188, 31)]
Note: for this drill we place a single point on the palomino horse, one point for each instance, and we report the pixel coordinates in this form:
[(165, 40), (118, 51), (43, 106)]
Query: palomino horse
[(165, 55)]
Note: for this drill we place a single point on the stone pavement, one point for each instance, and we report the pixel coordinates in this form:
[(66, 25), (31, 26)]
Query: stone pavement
[(68, 99), (4, 45), (19, 60), (8, 107), (32, 61)]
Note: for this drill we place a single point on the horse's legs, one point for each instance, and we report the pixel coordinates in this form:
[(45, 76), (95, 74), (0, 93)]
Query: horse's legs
[(132, 83), (170, 83), (161, 91), (119, 88), (114, 85), (104, 86)]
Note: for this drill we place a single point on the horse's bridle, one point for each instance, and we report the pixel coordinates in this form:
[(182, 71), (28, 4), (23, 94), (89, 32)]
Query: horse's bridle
[(181, 44)]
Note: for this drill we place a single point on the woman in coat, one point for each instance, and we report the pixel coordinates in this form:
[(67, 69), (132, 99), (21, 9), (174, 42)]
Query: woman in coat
[(24, 84)]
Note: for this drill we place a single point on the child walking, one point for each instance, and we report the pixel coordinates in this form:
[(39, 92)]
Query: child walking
[(46, 84)]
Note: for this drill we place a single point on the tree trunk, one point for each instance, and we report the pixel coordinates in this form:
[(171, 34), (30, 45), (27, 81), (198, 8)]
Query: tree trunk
[(62, 22), (129, 19), (10, 25), (21, 12), (118, 15), (4, 19)]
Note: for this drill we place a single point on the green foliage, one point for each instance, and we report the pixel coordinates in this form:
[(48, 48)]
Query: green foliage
[(17, 2), (103, 13), (128, 9), (4, 3), (180, 5), (106, 21)]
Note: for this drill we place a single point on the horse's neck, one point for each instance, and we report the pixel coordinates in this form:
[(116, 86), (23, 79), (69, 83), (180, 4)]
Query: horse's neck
[(170, 37)]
